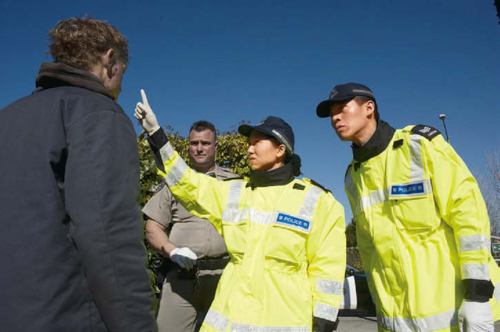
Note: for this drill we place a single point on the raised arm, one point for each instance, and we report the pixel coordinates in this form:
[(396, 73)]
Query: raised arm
[(201, 195)]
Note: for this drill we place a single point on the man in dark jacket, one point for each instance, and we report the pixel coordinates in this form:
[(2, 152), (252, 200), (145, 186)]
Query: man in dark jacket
[(72, 258)]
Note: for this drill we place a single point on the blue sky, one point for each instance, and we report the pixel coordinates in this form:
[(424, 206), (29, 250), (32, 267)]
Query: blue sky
[(228, 61)]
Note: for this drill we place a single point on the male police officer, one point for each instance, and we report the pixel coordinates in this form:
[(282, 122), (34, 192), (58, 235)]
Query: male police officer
[(72, 255), (198, 251), (422, 226)]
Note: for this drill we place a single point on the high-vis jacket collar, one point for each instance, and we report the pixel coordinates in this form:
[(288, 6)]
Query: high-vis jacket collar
[(275, 177), (376, 144)]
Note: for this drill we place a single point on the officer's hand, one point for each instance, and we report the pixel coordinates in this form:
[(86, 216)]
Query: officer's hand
[(184, 257), (475, 317), (145, 115)]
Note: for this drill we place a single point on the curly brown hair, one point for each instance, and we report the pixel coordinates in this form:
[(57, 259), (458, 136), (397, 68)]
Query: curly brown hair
[(81, 41)]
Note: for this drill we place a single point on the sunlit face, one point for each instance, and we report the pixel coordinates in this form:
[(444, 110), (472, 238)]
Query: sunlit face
[(264, 153), (114, 83), (202, 149), (350, 120)]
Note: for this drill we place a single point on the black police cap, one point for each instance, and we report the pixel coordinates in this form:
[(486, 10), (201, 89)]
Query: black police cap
[(343, 92), (274, 127)]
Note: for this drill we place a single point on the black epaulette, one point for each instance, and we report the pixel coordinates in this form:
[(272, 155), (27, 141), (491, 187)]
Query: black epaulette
[(318, 185), (426, 131), (236, 178), (298, 186)]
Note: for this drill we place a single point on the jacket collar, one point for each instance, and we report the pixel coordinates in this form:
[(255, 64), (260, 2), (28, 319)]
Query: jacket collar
[(55, 74), (376, 144), (276, 177)]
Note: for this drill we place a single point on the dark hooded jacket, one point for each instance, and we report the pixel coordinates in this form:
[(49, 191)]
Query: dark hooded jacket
[(71, 253)]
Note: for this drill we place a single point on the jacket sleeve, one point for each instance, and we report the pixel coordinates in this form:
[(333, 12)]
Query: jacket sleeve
[(202, 195), (101, 195), (326, 252), (461, 206)]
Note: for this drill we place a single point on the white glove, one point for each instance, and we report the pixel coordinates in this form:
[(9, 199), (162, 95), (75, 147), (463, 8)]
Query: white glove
[(145, 115), (475, 317), (184, 257)]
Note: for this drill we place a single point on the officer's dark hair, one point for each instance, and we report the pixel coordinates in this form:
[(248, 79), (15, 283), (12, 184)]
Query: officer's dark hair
[(82, 41), (360, 100), (296, 163), (203, 125)]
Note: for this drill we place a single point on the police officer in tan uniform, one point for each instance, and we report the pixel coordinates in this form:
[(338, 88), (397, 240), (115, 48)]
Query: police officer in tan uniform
[(196, 249)]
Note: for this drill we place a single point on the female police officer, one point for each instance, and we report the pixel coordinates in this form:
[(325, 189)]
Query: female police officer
[(285, 237)]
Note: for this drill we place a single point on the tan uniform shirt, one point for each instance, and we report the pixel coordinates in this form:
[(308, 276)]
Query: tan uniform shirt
[(187, 231)]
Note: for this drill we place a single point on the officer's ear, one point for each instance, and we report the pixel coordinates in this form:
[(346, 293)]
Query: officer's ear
[(370, 108), (281, 151)]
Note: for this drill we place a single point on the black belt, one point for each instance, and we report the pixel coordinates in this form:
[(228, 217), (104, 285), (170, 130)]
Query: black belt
[(203, 264), (212, 263)]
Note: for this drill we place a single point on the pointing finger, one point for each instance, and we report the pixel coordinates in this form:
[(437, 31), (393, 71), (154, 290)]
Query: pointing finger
[(144, 98)]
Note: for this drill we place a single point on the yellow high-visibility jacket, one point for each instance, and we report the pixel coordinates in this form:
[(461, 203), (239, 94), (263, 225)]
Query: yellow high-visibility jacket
[(286, 243), (422, 229)]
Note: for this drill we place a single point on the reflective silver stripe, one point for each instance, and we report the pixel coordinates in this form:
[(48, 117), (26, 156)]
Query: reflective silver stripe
[(309, 203), (232, 212), (283, 139), (497, 292), (329, 286), (234, 215), (440, 321), (262, 217), (363, 91), (257, 216), (375, 197), (237, 327), (218, 321), (416, 166), (176, 173), (233, 198), (476, 271), (167, 152), (325, 311), (474, 242)]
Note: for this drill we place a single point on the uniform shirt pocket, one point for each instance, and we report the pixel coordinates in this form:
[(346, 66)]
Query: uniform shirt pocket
[(285, 248), (412, 206)]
